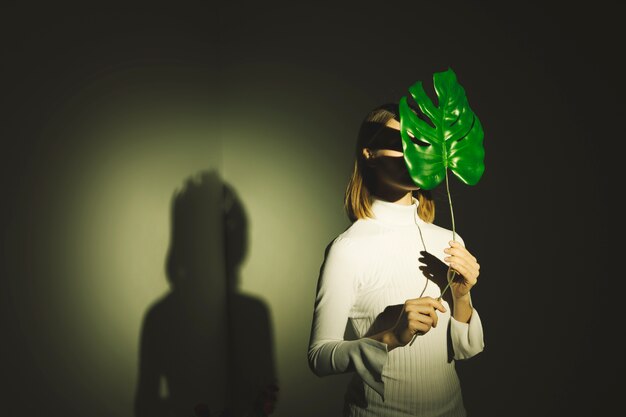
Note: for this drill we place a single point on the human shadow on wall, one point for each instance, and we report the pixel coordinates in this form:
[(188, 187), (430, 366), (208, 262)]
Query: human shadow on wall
[(205, 348)]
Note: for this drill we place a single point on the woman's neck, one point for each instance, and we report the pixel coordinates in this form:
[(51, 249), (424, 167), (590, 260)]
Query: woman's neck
[(402, 197)]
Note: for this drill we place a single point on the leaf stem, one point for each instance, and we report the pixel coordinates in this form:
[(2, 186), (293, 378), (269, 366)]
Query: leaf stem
[(451, 272), (451, 210)]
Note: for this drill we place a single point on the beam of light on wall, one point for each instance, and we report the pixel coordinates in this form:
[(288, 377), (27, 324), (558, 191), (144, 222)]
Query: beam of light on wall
[(127, 146), (109, 168)]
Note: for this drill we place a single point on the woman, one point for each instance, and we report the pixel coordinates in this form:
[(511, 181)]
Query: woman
[(377, 312)]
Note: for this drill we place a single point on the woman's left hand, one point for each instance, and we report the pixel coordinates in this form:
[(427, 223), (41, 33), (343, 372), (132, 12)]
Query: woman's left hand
[(465, 265)]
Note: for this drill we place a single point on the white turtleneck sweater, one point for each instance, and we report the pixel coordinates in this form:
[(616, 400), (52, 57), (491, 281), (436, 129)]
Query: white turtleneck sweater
[(370, 266)]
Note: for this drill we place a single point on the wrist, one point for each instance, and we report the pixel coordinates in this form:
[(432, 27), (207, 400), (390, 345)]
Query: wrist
[(390, 339), (462, 308), (465, 298), (387, 337)]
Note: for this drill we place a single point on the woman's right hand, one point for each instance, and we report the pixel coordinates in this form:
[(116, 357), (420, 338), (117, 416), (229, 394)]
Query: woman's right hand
[(417, 315)]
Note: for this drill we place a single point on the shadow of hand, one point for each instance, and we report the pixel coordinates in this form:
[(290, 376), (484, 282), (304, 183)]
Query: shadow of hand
[(385, 320), (435, 270)]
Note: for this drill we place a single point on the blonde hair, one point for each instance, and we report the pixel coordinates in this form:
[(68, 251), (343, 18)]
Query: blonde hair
[(357, 201)]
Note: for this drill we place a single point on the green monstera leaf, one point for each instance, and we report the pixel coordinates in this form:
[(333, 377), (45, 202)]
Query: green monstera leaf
[(454, 141)]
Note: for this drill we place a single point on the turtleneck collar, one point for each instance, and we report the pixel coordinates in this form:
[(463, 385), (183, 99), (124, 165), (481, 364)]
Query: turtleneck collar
[(394, 213)]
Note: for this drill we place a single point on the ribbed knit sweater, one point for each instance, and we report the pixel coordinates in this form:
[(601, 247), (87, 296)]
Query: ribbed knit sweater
[(372, 265)]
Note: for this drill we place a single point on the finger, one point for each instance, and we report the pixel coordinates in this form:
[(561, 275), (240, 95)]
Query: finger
[(414, 302), (418, 326), (457, 247), (437, 304), (427, 319), (412, 308), (456, 243), (460, 253), (465, 278), (471, 268), (421, 309), (469, 277), (424, 301), (472, 271), (428, 314), (461, 262), (432, 317)]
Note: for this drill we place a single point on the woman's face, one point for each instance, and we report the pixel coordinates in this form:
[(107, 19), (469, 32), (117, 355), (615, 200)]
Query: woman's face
[(385, 156)]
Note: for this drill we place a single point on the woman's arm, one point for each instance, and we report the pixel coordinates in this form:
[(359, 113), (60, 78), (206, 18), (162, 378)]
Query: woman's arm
[(462, 308), (467, 336), (337, 287), (328, 352), (466, 327)]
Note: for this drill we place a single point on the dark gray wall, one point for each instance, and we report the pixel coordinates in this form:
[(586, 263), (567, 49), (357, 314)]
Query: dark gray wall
[(543, 79)]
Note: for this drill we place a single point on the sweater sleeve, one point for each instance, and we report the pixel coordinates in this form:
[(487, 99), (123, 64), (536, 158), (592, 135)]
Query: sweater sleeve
[(328, 352), (467, 338)]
